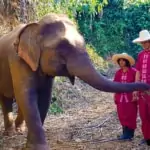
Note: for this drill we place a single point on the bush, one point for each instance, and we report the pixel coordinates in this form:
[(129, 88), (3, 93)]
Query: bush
[(97, 61), (120, 24)]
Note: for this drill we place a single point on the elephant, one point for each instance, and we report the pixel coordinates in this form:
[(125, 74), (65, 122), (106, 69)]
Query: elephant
[(31, 56)]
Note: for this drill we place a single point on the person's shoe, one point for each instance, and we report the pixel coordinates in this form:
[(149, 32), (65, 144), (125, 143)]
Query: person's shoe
[(148, 142), (128, 134), (123, 137)]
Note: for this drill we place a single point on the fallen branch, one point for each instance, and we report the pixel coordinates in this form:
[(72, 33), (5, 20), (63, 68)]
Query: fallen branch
[(102, 140), (107, 140), (95, 126)]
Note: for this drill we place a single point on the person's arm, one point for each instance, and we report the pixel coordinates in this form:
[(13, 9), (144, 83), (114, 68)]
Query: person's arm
[(137, 76), (136, 93), (137, 79), (116, 79)]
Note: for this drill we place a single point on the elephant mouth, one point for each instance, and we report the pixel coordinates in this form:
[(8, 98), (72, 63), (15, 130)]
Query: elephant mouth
[(63, 71)]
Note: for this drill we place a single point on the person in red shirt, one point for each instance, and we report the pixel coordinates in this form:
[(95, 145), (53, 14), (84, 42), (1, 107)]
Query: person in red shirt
[(143, 75), (126, 108)]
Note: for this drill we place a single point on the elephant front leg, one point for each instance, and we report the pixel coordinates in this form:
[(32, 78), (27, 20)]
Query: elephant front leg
[(44, 98), (7, 110), (25, 91), (27, 99), (28, 105), (20, 122)]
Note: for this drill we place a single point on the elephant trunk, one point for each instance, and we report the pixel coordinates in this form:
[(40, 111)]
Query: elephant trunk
[(81, 66)]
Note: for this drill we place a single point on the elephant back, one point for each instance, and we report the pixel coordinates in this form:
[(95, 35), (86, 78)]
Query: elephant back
[(7, 41)]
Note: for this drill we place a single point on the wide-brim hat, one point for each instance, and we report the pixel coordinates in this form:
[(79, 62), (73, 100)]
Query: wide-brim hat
[(123, 56), (144, 35)]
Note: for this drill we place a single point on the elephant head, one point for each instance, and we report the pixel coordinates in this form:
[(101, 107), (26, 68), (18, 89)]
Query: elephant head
[(56, 47)]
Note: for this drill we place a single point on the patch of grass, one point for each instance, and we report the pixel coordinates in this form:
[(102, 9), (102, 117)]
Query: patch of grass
[(55, 108), (61, 79)]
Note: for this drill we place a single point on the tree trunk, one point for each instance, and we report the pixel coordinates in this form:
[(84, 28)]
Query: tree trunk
[(16, 11)]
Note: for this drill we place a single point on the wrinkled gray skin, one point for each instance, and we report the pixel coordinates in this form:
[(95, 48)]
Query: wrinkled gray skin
[(30, 57)]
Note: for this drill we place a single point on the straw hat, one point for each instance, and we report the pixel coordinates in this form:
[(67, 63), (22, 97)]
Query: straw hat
[(123, 56), (144, 35)]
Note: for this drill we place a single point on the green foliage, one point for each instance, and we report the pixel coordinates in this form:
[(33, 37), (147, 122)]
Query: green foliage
[(98, 61), (137, 17), (70, 7), (121, 22), (128, 3), (55, 108)]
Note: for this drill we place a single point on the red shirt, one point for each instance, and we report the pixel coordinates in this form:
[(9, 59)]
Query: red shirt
[(143, 66), (124, 77)]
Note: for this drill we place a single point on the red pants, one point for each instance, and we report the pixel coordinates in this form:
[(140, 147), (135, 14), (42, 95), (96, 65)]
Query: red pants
[(127, 113), (144, 109)]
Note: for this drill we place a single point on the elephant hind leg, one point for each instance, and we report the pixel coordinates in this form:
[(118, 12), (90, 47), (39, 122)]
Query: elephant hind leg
[(20, 122), (7, 110)]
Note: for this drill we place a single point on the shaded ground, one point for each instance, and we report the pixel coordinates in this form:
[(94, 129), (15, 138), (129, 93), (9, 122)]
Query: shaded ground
[(89, 117)]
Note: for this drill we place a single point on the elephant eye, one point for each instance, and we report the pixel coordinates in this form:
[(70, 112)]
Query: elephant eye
[(46, 30), (64, 48)]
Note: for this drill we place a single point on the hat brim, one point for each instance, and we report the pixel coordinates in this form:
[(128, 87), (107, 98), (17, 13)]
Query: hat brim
[(138, 40), (123, 56)]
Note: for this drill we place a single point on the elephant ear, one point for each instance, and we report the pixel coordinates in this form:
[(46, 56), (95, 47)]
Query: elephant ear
[(27, 46)]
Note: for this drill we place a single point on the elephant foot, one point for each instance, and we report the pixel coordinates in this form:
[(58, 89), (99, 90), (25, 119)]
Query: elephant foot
[(21, 128), (36, 147), (9, 131)]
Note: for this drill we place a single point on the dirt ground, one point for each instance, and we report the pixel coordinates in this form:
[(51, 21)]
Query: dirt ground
[(89, 121)]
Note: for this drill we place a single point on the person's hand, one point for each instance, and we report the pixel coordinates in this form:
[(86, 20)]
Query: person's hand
[(147, 92), (135, 96)]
